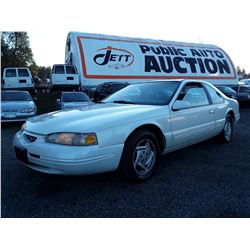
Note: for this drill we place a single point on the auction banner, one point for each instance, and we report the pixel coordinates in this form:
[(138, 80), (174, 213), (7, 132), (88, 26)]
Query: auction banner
[(108, 58)]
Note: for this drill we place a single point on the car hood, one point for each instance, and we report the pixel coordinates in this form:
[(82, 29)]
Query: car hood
[(16, 106), (68, 105), (91, 118)]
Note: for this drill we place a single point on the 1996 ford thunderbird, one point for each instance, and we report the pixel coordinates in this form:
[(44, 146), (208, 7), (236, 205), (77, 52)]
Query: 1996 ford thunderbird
[(128, 131)]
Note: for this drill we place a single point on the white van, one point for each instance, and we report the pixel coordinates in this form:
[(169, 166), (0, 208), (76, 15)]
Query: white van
[(17, 79), (64, 77), (102, 58)]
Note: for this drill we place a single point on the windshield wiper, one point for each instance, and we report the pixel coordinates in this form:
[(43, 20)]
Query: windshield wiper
[(124, 102)]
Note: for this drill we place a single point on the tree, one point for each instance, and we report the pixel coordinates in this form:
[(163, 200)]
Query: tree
[(15, 50), (242, 73), (44, 72)]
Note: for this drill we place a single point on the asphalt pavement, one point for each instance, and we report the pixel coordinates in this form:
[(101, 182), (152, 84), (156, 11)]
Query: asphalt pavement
[(204, 180)]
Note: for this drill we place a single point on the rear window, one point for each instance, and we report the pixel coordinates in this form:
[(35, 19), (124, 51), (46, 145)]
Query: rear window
[(70, 70), (75, 97), (10, 73), (226, 89), (23, 72), (59, 69), (15, 96)]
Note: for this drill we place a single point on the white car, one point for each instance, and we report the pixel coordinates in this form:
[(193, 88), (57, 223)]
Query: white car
[(17, 106), (130, 130), (67, 100)]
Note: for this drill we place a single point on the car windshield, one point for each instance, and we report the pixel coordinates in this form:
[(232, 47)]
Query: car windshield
[(15, 96), (151, 93), (75, 97)]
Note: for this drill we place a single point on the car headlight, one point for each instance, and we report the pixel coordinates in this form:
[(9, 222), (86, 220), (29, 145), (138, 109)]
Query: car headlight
[(28, 110), (73, 139)]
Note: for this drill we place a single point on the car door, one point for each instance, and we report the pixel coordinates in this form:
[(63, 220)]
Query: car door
[(195, 122), (58, 75), (71, 75), (220, 108), (24, 78), (10, 78)]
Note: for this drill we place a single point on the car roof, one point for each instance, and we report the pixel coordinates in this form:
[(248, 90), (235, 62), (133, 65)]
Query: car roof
[(72, 92), (17, 68)]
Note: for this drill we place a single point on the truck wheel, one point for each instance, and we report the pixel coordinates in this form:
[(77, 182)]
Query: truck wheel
[(140, 156), (227, 133)]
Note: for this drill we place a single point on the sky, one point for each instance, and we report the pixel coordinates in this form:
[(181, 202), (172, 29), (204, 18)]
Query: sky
[(225, 24)]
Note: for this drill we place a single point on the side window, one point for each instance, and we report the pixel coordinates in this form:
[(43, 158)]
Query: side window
[(215, 96), (194, 94), (10, 72), (70, 70), (59, 69), (23, 72)]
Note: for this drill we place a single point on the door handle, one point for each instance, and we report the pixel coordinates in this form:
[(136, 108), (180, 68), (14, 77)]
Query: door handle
[(211, 111)]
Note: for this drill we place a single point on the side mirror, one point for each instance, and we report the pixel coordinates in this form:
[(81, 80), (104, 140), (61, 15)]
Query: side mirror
[(179, 105)]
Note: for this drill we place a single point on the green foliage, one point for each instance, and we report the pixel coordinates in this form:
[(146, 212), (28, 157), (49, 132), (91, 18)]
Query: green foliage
[(15, 50), (242, 73), (43, 72)]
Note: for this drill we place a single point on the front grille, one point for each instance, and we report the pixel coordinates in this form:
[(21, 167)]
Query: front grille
[(30, 138), (10, 110), (21, 155)]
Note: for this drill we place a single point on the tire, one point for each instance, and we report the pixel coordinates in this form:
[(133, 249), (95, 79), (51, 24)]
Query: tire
[(227, 133), (140, 156)]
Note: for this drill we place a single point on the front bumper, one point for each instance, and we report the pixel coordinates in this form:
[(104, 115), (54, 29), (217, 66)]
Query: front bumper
[(15, 117), (65, 160)]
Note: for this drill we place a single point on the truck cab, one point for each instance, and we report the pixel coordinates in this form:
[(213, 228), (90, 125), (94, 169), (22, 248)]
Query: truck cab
[(64, 76)]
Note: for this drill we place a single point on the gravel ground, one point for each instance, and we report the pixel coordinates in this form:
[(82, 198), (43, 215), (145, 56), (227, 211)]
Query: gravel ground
[(204, 180)]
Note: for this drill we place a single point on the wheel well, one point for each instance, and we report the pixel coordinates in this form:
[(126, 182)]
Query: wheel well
[(154, 129), (231, 113)]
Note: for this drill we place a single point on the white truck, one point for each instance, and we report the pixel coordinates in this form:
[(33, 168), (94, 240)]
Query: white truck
[(64, 77), (17, 79), (103, 58)]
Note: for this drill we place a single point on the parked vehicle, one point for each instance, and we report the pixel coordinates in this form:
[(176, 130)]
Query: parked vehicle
[(17, 79), (129, 131), (245, 81), (64, 77), (37, 82), (16, 106), (67, 100), (102, 58), (106, 89), (227, 91), (242, 93)]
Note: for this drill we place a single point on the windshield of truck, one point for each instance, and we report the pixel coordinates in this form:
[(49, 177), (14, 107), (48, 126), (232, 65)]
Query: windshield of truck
[(150, 93)]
